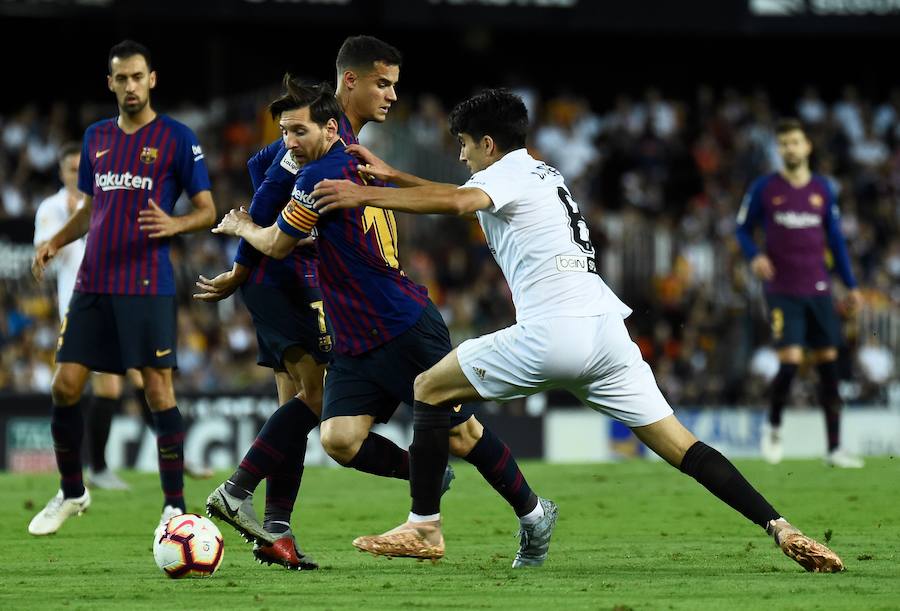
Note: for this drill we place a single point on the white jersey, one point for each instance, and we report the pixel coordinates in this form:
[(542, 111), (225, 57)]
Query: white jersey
[(51, 215), (541, 242)]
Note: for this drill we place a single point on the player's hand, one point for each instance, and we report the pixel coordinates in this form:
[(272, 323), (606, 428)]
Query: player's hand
[(762, 267), (218, 288), (155, 220), (232, 222), (854, 301), (372, 166), (337, 195), (43, 254)]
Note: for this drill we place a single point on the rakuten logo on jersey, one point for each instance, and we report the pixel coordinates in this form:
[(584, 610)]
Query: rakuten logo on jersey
[(798, 220), (126, 181)]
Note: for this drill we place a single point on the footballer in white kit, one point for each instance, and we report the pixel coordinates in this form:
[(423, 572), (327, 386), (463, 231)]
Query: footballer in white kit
[(569, 332)]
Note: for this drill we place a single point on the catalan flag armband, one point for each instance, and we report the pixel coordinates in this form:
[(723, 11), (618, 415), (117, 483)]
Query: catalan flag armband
[(299, 212)]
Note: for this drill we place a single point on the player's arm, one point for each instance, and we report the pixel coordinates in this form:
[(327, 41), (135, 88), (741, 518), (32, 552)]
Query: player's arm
[(272, 241), (223, 285), (374, 167), (430, 199), (159, 224), (749, 216), (838, 247), (75, 227)]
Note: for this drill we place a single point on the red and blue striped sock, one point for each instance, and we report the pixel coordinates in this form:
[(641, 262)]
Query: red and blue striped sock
[(169, 428), (67, 428), (497, 465)]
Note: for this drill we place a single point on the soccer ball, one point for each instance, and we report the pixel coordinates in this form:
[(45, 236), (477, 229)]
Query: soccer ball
[(188, 546)]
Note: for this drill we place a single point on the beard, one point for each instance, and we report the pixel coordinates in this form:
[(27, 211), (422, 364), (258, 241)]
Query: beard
[(134, 107)]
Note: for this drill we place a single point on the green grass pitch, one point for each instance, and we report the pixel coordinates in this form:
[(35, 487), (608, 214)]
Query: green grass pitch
[(633, 535)]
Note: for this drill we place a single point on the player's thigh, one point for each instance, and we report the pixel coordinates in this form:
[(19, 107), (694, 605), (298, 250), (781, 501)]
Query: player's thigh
[(285, 387), (308, 376), (354, 387), (86, 336), (285, 318), (342, 436), (445, 384), (617, 380), (107, 385), (787, 320), (823, 329), (147, 329)]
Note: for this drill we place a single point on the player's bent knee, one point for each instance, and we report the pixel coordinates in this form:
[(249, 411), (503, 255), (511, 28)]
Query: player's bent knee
[(340, 445), (425, 390), (66, 388)]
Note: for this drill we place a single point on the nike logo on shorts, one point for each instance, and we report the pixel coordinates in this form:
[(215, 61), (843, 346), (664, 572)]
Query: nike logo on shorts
[(162, 353)]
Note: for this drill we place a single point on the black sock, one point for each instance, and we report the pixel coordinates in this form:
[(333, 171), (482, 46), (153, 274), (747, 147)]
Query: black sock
[(381, 456), (830, 400), (283, 483), (271, 446), (781, 387), (719, 476), (496, 464), (67, 428), (170, 445), (146, 412), (102, 411), (428, 456)]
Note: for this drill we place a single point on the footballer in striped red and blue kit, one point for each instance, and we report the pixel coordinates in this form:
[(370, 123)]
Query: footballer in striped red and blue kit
[(368, 297), (122, 172)]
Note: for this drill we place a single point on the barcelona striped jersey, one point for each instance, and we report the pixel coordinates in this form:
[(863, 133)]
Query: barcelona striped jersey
[(368, 297), (121, 172)]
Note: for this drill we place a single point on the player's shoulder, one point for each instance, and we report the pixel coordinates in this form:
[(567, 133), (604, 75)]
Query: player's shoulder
[(180, 131), (825, 183), (101, 126), (337, 163), (764, 181), (52, 203)]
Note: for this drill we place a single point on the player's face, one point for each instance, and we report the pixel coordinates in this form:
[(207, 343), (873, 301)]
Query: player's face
[(303, 137), (794, 148), (374, 92), (131, 81), (68, 171), (473, 153)]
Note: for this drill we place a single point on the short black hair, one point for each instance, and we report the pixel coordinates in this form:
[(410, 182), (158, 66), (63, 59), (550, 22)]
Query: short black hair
[(320, 99), (128, 48), (789, 124), (497, 113), (69, 148), (363, 51)]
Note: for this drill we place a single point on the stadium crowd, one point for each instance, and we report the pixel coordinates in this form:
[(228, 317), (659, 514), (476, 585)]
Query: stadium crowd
[(660, 181)]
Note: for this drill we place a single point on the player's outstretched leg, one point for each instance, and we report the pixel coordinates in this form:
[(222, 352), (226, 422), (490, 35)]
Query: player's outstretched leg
[(771, 443), (680, 448), (232, 501), (830, 400)]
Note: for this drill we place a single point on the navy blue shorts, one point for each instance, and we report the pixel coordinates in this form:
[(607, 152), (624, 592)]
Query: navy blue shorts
[(285, 318), (803, 321), (112, 333), (376, 382)]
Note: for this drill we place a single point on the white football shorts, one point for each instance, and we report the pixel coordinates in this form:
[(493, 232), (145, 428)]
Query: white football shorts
[(592, 357)]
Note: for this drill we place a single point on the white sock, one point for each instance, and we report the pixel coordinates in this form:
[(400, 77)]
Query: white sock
[(414, 517), (534, 515)]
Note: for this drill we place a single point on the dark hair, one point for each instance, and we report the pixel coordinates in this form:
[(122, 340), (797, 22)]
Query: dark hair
[(320, 99), (129, 48), (789, 124), (363, 51), (497, 113), (69, 148)]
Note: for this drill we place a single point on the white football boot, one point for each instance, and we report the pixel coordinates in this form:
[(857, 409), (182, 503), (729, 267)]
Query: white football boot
[(168, 512), (770, 444), (58, 509), (841, 459)]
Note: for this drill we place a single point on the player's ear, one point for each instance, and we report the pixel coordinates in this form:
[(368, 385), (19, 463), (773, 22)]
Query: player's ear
[(331, 128), (109, 82), (488, 145), (349, 79), (152, 79)]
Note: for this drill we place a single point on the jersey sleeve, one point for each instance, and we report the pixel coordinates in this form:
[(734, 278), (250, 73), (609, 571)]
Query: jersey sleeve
[(749, 215), (501, 187), (190, 165), (260, 162), (836, 242), (269, 199), (299, 216), (85, 169)]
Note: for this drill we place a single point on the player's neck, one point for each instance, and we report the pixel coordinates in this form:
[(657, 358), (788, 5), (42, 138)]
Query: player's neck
[(132, 123), (798, 177)]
